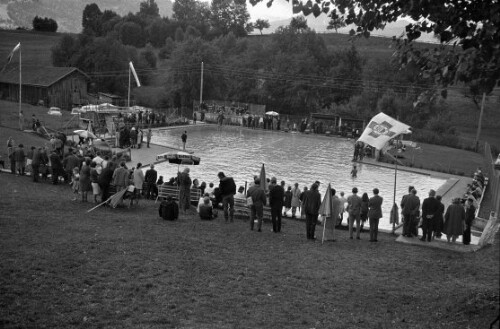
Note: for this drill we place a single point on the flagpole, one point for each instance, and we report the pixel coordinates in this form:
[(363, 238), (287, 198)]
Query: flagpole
[(20, 81), (128, 98), (201, 85)]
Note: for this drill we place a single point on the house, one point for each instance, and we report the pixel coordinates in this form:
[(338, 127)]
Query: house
[(62, 87)]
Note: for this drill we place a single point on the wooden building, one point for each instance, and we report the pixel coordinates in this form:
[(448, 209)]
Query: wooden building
[(62, 87)]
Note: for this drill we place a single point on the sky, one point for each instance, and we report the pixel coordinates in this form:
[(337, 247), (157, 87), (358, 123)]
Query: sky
[(280, 9)]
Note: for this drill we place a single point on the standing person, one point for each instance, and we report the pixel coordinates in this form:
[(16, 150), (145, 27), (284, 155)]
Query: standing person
[(374, 214), (138, 181), (430, 208), (410, 205), (150, 178), (276, 197), (354, 210), (105, 179), (20, 158), (343, 201), (227, 190), (35, 164), (295, 199), (470, 215), (301, 198), (148, 137), (439, 219), (56, 165), (184, 182), (184, 139), (364, 209), (288, 200), (454, 220), (75, 182), (120, 177), (94, 180), (69, 163), (259, 200), (194, 118), (85, 183), (311, 204)]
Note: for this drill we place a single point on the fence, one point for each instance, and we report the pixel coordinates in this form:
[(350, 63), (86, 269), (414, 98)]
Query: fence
[(494, 178)]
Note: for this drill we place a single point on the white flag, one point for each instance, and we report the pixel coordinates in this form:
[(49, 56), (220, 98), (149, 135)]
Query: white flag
[(9, 58), (381, 129), (134, 73)]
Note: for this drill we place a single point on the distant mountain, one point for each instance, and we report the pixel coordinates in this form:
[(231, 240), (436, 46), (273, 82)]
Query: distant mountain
[(67, 13), (320, 23)]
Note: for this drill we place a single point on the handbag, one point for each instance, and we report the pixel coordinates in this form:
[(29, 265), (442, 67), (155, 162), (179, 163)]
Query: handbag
[(249, 201)]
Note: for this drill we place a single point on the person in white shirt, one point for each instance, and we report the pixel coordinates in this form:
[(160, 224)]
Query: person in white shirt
[(343, 201), (210, 190), (202, 202), (240, 194)]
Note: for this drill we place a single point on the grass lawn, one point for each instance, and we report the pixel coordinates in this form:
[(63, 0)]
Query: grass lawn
[(64, 268)]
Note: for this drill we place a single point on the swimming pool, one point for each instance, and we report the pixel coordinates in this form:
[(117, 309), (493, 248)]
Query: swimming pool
[(294, 158)]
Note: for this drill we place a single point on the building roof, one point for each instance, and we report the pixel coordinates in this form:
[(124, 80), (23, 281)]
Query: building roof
[(37, 75)]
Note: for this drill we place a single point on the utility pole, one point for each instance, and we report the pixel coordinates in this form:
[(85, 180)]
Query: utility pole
[(480, 122), (201, 85)]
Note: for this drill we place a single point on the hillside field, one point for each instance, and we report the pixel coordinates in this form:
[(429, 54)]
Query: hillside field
[(36, 50)]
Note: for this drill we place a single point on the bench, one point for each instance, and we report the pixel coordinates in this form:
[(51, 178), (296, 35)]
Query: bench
[(173, 191), (242, 210)]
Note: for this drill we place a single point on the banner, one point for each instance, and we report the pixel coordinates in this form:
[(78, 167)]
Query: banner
[(9, 58), (381, 129), (134, 73)]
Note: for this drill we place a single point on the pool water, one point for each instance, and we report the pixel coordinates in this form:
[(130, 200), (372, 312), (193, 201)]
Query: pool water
[(294, 158)]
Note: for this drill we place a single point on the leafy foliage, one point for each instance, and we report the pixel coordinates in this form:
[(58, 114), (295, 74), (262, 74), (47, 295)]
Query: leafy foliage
[(44, 24), (261, 24)]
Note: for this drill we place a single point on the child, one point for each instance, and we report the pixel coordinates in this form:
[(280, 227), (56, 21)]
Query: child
[(354, 172), (75, 182)]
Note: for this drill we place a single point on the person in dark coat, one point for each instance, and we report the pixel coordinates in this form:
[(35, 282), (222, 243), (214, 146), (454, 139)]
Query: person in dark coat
[(150, 179), (227, 189), (169, 210), (69, 163), (410, 205), (454, 220), (20, 158), (288, 200), (105, 179), (57, 167), (430, 208), (276, 200), (374, 214), (311, 204), (439, 219), (470, 215)]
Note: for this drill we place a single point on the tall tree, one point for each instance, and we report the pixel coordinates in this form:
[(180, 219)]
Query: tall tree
[(335, 24), (299, 23), (91, 20), (261, 24), (149, 8), (230, 16)]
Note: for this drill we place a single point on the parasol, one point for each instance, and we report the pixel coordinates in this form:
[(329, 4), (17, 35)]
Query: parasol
[(263, 181), (85, 133), (272, 113), (179, 158)]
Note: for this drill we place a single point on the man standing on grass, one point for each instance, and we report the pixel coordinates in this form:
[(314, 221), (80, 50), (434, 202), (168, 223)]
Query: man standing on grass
[(227, 190), (184, 139), (311, 204), (430, 208), (150, 178), (276, 196), (354, 211), (259, 200), (374, 214), (410, 205), (148, 137)]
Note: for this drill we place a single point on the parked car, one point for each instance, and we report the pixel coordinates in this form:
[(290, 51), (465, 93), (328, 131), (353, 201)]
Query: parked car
[(54, 111)]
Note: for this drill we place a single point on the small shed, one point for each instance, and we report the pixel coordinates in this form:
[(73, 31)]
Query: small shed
[(62, 87)]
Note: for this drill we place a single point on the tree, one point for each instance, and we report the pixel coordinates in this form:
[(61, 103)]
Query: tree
[(44, 24), (299, 23), (230, 16), (131, 34), (149, 8), (472, 26), (157, 32), (91, 20), (335, 24), (261, 24), (64, 50)]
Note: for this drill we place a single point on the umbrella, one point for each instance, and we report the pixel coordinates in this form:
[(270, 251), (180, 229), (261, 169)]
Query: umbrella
[(272, 113), (263, 181), (179, 158), (85, 133), (326, 210)]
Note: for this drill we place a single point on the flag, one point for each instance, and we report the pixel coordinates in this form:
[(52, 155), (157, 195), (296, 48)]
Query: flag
[(9, 58), (134, 73), (381, 129)]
